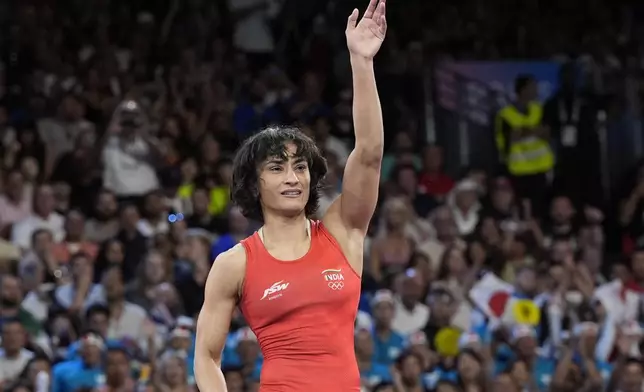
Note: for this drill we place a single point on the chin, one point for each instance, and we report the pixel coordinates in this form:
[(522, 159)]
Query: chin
[(291, 209)]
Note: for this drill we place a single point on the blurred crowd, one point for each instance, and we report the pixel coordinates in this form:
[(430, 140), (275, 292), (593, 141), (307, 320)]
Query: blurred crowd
[(118, 122)]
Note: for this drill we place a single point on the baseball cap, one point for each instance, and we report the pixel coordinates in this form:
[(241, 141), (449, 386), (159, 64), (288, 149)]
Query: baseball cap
[(382, 296)]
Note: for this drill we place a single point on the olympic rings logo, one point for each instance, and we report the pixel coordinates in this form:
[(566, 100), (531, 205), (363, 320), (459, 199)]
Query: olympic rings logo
[(336, 285)]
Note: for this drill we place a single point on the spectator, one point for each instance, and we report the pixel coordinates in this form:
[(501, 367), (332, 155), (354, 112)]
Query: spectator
[(14, 205), (43, 217), (14, 356)]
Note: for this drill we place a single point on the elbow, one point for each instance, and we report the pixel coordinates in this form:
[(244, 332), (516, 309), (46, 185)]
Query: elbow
[(370, 153)]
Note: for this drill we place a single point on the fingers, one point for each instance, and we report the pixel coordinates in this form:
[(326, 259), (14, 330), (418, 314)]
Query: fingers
[(373, 5), (353, 19), (379, 11), (383, 25)]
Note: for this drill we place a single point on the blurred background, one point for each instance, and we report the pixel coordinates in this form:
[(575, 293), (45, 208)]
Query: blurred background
[(507, 251)]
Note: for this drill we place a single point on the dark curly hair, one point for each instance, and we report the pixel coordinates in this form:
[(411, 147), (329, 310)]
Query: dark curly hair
[(272, 142)]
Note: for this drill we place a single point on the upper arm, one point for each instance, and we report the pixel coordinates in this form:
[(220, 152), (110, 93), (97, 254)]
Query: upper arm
[(357, 203), (220, 298)]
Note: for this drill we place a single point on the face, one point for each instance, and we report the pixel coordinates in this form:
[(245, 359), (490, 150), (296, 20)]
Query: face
[(154, 204), (173, 370), (117, 366), (433, 158), (45, 200), (36, 367), (189, 170), (632, 378), (396, 213), (561, 210), (15, 185), (526, 280), (466, 199), (210, 150), (155, 269), (234, 381), (75, 224), (80, 267), (10, 292), (383, 313), (502, 198), (248, 351), (637, 264), (106, 206), (29, 169), (504, 382), (99, 322), (364, 344), (407, 180), (456, 262), (444, 224), (113, 284), (13, 337), (200, 201), (226, 173), (238, 222), (284, 185), (129, 218), (114, 253), (468, 367), (411, 368), (560, 251)]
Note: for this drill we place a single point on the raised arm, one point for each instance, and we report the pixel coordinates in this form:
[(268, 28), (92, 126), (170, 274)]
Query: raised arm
[(220, 296), (354, 208)]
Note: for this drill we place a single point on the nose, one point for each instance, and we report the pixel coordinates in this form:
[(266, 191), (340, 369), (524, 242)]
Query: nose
[(291, 177)]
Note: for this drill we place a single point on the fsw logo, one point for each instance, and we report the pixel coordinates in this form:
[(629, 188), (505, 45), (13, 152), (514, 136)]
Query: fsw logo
[(275, 288), (334, 278)]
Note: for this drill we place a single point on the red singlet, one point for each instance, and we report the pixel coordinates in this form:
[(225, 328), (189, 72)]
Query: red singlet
[(303, 314)]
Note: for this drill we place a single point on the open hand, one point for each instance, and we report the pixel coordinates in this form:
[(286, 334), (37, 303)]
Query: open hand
[(365, 37)]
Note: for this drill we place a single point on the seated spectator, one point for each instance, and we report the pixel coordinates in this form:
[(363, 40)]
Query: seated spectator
[(13, 356), (14, 203), (155, 220), (43, 217), (433, 181), (75, 240), (84, 372), (79, 293), (104, 223)]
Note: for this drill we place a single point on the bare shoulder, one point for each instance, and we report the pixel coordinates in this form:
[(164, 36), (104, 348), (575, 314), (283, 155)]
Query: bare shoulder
[(227, 272), (351, 240)]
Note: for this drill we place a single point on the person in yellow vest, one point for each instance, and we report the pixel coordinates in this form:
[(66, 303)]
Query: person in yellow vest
[(523, 143)]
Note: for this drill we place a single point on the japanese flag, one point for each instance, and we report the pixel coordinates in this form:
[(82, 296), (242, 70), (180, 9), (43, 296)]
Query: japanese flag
[(491, 295)]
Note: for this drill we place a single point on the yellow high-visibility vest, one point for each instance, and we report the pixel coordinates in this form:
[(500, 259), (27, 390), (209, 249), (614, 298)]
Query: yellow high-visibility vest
[(530, 154)]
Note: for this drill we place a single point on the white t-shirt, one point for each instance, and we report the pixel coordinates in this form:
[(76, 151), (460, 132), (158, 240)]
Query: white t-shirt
[(407, 322), (252, 33), (126, 175), (10, 368), (22, 231)]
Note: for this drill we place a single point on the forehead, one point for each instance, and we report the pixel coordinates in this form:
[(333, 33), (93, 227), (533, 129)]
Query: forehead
[(289, 152)]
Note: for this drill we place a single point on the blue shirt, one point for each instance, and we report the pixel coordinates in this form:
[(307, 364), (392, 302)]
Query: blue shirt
[(223, 243), (542, 370), (387, 351), (376, 374), (70, 376)]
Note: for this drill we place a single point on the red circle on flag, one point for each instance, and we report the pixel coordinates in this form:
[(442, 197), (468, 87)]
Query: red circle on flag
[(497, 302)]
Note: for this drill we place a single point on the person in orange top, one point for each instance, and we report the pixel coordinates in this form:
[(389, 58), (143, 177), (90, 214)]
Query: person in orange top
[(297, 281)]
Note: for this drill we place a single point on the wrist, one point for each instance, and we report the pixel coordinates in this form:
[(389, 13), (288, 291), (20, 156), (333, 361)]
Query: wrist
[(360, 62)]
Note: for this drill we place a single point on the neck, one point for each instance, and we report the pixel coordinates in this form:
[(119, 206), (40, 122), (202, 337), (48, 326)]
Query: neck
[(116, 308), (15, 199), (11, 354), (408, 304), (383, 331), (283, 230), (43, 215)]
